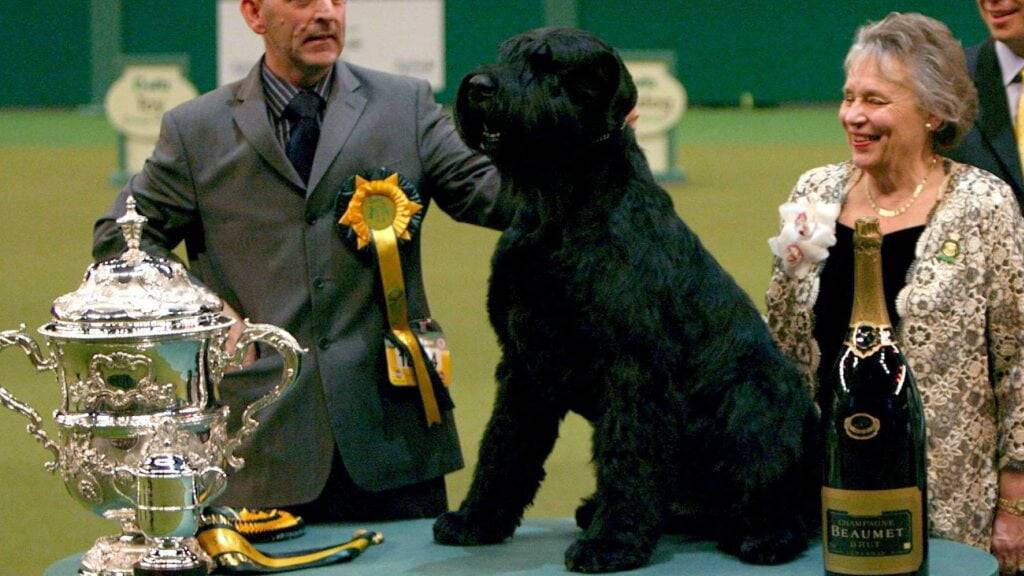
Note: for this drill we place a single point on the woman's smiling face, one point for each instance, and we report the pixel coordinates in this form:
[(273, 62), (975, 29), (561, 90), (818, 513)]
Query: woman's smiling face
[(883, 120)]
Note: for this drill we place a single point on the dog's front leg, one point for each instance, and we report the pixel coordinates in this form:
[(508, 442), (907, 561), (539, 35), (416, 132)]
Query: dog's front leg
[(632, 448), (518, 438)]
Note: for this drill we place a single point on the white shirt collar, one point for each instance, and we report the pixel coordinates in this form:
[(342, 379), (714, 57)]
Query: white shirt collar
[(1009, 62)]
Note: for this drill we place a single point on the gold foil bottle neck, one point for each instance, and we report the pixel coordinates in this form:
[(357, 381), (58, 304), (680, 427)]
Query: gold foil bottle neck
[(867, 235), (868, 292)]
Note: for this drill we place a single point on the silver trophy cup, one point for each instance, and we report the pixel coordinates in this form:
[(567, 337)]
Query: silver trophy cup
[(169, 495), (139, 352)]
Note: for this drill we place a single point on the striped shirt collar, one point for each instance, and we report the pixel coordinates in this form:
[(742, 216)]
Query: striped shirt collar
[(279, 92)]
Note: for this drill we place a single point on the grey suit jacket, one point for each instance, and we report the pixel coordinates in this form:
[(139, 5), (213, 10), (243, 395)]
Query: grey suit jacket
[(220, 182), (991, 144)]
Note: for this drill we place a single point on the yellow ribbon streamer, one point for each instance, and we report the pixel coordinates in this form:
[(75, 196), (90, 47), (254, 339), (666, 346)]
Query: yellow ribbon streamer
[(379, 212), (230, 549)]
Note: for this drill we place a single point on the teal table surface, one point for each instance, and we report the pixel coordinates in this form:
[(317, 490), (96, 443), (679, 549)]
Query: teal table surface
[(538, 547)]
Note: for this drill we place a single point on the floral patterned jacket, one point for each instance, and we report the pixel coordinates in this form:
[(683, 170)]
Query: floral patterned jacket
[(962, 331)]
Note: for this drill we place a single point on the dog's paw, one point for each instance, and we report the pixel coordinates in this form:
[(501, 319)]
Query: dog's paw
[(770, 548), (605, 556), (461, 529), (585, 512)]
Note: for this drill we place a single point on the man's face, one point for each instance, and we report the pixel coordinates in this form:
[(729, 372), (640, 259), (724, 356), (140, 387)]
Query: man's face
[(1005, 21), (303, 38)]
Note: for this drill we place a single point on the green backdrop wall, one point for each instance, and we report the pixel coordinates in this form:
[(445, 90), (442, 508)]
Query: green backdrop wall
[(779, 51), (44, 53)]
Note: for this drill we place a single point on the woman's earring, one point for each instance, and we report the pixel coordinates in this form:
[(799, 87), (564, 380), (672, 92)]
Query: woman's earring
[(928, 125)]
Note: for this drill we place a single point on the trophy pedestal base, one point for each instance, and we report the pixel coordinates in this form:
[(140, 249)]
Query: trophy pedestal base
[(121, 556), (114, 555), (197, 570), (174, 557)]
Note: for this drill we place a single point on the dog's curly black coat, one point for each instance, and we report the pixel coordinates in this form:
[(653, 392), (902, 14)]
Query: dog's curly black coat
[(605, 303)]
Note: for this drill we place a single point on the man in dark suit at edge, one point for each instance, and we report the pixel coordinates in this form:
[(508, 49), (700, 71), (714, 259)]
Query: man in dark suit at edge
[(996, 144), (996, 67), (259, 228)]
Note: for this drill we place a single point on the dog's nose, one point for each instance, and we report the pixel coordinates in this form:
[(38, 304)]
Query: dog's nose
[(481, 87)]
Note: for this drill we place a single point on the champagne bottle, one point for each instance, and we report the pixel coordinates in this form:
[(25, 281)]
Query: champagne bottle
[(874, 493)]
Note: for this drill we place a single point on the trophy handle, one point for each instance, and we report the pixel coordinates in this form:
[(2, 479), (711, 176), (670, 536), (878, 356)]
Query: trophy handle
[(125, 483), (289, 349), (42, 363), (212, 482)]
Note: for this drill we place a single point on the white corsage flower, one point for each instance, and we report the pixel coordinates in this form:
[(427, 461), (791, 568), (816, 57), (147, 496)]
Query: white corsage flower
[(808, 231)]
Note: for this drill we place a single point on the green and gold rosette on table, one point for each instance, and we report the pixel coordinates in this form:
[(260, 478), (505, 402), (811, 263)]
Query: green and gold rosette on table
[(379, 210)]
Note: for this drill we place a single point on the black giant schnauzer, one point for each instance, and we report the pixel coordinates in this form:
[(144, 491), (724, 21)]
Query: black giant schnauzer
[(605, 303)]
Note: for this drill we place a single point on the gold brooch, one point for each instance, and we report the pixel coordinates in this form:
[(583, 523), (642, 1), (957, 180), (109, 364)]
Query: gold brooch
[(950, 249)]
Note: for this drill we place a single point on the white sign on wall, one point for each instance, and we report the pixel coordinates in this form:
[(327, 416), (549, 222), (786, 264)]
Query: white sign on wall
[(400, 36), (135, 105), (661, 102)]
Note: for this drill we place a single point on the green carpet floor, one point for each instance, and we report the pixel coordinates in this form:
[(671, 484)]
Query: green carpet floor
[(54, 180)]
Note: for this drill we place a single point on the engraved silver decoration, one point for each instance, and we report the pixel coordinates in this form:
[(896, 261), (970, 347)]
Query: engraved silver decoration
[(139, 351)]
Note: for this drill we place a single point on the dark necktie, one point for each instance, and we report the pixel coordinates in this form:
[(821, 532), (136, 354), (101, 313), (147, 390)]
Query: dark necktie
[(302, 113)]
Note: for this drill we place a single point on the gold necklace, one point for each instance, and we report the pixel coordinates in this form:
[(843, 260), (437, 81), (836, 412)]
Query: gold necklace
[(892, 213)]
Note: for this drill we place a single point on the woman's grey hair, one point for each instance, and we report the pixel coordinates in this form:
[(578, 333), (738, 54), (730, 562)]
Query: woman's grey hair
[(935, 65)]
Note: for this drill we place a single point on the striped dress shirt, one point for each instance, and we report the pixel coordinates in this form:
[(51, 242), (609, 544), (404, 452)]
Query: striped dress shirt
[(278, 93)]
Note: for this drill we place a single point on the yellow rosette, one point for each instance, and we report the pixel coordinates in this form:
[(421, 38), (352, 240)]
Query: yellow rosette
[(380, 212)]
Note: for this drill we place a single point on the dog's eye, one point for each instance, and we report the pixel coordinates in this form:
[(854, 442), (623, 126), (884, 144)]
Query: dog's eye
[(527, 78)]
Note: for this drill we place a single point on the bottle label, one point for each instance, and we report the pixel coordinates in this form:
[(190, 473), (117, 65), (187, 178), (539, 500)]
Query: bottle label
[(872, 531)]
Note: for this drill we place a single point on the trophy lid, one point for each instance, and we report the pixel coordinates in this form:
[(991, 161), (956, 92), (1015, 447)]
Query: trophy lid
[(135, 295)]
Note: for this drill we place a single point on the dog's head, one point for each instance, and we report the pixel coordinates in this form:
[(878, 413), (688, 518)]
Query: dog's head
[(554, 94)]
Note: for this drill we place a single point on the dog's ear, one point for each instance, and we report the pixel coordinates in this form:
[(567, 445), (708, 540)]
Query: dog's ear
[(625, 95), (620, 89)]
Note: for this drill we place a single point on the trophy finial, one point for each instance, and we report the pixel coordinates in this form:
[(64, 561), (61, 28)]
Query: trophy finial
[(131, 227)]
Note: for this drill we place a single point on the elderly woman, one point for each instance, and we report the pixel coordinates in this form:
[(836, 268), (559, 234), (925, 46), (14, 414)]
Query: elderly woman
[(953, 268)]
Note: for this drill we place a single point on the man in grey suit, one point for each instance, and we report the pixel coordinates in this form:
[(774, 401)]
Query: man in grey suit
[(995, 65), (230, 179)]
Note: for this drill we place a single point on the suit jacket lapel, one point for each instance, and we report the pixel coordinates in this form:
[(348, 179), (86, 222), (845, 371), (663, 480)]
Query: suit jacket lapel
[(995, 123), (250, 114), (344, 107)]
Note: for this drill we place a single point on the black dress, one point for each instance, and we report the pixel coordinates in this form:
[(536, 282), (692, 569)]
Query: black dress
[(835, 292)]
